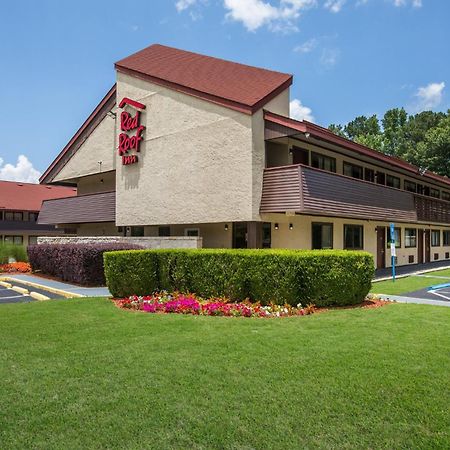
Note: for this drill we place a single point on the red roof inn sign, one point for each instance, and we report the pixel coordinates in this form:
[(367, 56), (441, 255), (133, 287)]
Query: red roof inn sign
[(131, 131)]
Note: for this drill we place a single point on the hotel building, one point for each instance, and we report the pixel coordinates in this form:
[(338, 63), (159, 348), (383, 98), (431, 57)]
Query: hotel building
[(189, 145)]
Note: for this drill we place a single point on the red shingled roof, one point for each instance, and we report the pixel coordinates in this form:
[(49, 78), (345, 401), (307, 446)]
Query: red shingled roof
[(28, 197), (237, 86)]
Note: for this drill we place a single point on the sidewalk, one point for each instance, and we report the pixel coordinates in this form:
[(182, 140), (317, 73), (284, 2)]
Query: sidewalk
[(420, 301), (67, 288), (413, 269)]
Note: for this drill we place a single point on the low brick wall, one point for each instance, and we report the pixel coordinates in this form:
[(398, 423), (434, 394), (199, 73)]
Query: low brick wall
[(146, 242)]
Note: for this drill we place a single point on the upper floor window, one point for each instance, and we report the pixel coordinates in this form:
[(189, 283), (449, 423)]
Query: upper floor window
[(353, 237), (392, 181), (410, 186), (435, 193), (323, 162), (380, 177), (13, 215), (352, 170), (435, 238), (445, 195), (369, 174), (32, 216)]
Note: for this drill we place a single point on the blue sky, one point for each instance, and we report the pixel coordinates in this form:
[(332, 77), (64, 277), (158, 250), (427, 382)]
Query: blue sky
[(348, 57)]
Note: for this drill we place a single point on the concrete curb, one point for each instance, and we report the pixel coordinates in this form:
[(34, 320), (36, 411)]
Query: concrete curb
[(5, 284), (56, 291), (37, 296), (20, 290)]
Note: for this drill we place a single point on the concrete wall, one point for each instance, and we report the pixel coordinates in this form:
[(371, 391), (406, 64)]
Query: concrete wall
[(99, 146), (199, 162), (101, 182), (146, 242)]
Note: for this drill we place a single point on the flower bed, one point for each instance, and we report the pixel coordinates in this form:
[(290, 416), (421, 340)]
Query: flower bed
[(17, 267), (191, 304)]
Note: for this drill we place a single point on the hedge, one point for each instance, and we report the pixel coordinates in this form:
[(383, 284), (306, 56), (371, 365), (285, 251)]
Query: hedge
[(14, 251), (76, 263), (322, 277)]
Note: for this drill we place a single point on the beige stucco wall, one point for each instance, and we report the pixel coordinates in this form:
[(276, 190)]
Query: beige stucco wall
[(98, 229), (102, 182), (99, 146), (199, 162)]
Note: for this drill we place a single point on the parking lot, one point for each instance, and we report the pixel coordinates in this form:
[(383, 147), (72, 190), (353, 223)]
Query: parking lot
[(21, 293)]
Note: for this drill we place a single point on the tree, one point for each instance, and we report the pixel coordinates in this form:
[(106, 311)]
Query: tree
[(362, 126), (394, 121)]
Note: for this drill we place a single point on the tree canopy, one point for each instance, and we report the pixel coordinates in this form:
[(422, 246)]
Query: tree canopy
[(422, 139)]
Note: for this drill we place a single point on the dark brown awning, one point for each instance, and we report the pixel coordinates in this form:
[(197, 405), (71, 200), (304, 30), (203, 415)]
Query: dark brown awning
[(82, 209)]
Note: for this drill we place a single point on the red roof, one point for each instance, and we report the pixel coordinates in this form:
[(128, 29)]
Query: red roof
[(325, 134), (28, 197), (230, 84)]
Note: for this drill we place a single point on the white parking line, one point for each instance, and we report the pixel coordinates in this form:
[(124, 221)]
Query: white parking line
[(14, 296), (440, 295)]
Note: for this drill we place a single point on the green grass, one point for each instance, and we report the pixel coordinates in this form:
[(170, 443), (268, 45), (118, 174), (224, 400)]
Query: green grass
[(83, 374), (410, 284)]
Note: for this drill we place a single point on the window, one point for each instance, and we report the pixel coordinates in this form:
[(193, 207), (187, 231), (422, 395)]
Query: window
[(16, 240), (426, 190), (397, 236), (192, 231), (267, 235), (446, 236), (435, 193), (137, 231), (446, 196), (410, 186), (163, 231), (32, 216), (322, 235), (353, 237), (435, 238), (323, 162), (380, 177), (392, 181), (420, 189), (369, 175), (351, 170), (410, 237), (32, 240)]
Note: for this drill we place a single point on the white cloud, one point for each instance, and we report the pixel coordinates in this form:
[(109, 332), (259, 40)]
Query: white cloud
[(334, 5), (181, 5), (299, 111), (414, 3), (329, 57), (430, 96), (22, 171), (307, 46), (257, 13)]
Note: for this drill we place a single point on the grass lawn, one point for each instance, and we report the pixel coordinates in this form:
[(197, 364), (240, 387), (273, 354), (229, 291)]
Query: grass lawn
[(410, 284), (84, 374)]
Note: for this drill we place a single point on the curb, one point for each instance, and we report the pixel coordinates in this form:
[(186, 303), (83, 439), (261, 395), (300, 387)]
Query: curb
[(5, 284), (56, 291), (37, 296), (20, 290)]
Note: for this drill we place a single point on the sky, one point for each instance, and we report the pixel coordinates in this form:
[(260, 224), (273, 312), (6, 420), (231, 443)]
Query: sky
[(348, 58)]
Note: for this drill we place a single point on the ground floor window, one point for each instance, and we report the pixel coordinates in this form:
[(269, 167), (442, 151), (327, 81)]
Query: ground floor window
[(322, 235), (397, 237), (137, 231), (410, 237), (17, 240), (446, 234), (435, 238), (192, 232), (163, 231), (353, 237), (267, 235), (32, 240)]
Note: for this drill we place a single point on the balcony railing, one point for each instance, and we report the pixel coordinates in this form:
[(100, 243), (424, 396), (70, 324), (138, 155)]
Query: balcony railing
[(306, 190), (100, 207)]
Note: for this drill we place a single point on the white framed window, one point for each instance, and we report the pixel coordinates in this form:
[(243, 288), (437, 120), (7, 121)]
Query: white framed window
[(192, 232)]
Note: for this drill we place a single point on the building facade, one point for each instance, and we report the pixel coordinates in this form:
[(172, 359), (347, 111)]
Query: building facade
[(20, 204), (185, 145)]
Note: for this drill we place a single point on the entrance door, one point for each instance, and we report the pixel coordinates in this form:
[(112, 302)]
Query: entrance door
[(300, 156), (420, 246), (240, 235), (427, 246), (381, 247)]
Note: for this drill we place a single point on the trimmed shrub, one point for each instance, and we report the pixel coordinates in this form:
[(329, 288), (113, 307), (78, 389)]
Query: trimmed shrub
[(76, 263), (17, 252), (322, 277)]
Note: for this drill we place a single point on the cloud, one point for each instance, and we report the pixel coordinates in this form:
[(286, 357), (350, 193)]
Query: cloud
[(254, 14), (181, 5), (22, 171), (307, 46), (329, 57), (430, 96), (299, 111), (334, 5), (414, 3)]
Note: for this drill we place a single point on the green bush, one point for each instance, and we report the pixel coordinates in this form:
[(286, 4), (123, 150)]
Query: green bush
[(322, 277), (17, 252)]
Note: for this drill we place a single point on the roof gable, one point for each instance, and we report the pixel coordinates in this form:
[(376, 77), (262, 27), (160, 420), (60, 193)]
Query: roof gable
[(237, 86)]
